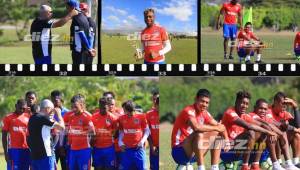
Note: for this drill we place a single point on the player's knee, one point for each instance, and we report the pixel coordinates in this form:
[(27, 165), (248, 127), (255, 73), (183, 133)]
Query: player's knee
[(251, 135), (297, 136)]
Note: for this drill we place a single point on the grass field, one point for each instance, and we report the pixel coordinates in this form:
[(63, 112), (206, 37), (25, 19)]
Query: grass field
[(117, 50), (14, 52), (280, 47)]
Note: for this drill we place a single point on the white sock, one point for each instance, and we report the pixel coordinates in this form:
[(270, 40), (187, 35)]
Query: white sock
[(201, 167), (248, 58), (289, 162), (296, 160), (214, 167), (280, 161), (258, 57), (276, 164)]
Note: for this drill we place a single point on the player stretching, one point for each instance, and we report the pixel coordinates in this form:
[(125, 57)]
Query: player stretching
[(193, 127), (231, 11), (248, 44), (155, 40), (133, 134), (14, 131), (103, 143)]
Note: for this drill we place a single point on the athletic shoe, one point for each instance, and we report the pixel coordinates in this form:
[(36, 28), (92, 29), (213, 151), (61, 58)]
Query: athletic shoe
[(245, 167), (291, 167), (248, 62), (231, 57), (184, 167), (225, 56), (298, 165), (259, 62), (255, 167), (278, 168)]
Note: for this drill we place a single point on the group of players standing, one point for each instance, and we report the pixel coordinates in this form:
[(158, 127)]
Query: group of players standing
[(38, 136), (267, 131)]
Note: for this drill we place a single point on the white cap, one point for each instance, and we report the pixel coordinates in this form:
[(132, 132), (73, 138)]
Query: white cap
[(47, 104), (44, 8)]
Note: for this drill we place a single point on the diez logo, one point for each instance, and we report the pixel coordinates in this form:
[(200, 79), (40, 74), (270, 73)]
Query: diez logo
[(144, 37)]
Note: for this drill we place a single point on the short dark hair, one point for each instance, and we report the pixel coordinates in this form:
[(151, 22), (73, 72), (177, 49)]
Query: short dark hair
[(78, 98), (109, 92), (259, 102), (248, 23), (21, 102), (56, 93), (30, 93), (155, 92), (241, 95), (128, 106), (279, 95), (203, 93), (149, 10)]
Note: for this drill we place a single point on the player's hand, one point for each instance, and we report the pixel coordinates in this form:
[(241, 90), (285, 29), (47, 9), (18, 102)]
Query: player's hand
[(73, 13), (154, 54), (57, 111), (291, 102), (7, 158), (221, 128), (227, 145), (92, 52)]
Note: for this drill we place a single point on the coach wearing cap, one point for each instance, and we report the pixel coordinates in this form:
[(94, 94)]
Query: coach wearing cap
[(80, 29), (41, 33), (39, 139)]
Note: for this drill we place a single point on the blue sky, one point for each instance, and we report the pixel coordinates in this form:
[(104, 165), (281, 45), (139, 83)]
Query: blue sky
[(174, 15)]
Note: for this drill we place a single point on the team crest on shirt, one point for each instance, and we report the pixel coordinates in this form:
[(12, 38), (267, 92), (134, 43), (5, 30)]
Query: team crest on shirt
[(108, 122), (201, 120), (136, 121), (80, 122)]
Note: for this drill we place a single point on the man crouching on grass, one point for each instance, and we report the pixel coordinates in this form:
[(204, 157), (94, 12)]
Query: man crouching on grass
[(194, 131)]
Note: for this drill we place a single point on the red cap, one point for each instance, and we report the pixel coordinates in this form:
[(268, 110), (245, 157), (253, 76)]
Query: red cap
[(84, 6)]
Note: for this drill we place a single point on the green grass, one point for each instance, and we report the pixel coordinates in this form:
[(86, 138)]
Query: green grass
[(280, 47), (166, 161), (14, 52), (117, 50)]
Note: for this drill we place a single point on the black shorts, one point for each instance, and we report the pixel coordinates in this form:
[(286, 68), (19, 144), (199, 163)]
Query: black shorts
[(82, 57)]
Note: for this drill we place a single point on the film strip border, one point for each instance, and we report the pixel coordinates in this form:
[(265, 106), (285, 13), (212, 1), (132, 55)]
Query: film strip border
[(150, 70)]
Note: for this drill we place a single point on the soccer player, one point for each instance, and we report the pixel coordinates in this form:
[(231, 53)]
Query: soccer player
[(41, 34), (192, 127), (243, 132), (60, 148), (92, 34), (281, 115), (80, 30), (39, 139), (133, 133), (80, 129), (155, 40), (112, 108), (248, 44), (153, 121), (297, 45), (14, 133), (231, 11), (103, 143), (31, 98)]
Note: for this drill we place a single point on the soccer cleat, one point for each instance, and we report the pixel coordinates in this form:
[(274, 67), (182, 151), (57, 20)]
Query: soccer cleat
[(231, 57), (255, 167), (245, 167), (259, 62), (225, 56), (278, 168), (184, 167), (248, 62), (298, 165), (291, 167)]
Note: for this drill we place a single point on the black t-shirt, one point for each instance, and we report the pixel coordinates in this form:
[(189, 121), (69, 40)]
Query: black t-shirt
[(79, 23), (41, 38), (39, 140), (92, 29)]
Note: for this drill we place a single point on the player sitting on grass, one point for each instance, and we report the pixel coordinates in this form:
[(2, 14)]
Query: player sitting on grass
[(297, 46), (248, 44), (193, 128), (243, 132)]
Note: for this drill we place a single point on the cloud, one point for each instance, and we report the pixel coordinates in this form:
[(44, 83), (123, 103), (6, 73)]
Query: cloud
[(116, 10), (180, 10), (132, 18), (113, 18)]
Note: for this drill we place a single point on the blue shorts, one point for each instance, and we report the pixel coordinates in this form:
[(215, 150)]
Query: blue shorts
[(154, 161), (242, 53), (104, 157), (230, 31), (46, 163), (67, 148), (297, 51), (20, 159), (118, 159), (230, 156), (180, 156), (43, 60), (133, 158), (162, 62), (80, 159)]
